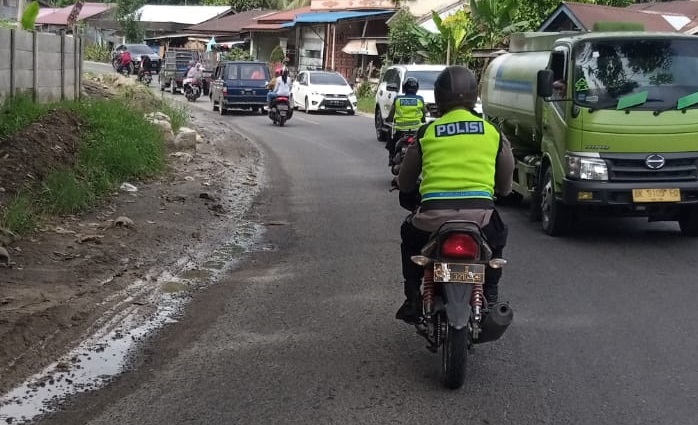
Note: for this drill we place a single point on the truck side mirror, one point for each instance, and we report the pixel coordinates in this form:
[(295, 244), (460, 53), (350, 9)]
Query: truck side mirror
[(546, 77)]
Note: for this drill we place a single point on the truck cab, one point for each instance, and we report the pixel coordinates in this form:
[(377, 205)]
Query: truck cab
[(601, 123)]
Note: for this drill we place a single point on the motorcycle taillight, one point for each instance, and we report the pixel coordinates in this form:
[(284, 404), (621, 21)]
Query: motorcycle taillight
[(460, 245), (410, 140)]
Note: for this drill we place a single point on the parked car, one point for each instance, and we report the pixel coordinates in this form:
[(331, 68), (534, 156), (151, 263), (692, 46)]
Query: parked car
[(390, 86), (176, 63), (240, 85), (137, 50), (323, 91)]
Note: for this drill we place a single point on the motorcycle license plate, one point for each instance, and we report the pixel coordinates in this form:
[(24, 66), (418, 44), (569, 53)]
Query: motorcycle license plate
[(282, 108), (459, 273)]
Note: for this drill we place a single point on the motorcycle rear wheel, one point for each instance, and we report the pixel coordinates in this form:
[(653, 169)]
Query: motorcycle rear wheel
[(455, 357)]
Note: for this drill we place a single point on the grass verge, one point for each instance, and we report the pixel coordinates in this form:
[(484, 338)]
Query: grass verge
[(118, 144), (367, 104)]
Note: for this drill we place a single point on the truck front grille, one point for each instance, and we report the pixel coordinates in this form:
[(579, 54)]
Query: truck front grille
[(633, 168)]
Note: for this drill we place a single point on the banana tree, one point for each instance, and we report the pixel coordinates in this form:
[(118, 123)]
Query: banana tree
[(496, 20), (455, 38)]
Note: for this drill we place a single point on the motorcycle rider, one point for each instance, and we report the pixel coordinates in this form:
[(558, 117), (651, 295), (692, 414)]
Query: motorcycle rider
[(464, 161), (272, 84), (407, 114), (282, 87), (146, 65), (193, 74), (124, 61)]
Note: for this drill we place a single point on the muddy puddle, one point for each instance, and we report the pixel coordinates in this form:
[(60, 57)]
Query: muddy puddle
[(145, 307)]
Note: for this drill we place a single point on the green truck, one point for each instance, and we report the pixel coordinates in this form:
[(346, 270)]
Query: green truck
[(601, 123)]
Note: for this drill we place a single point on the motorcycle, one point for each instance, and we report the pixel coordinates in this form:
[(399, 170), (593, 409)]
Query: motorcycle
[(280, 111), (146, 78), (455, 312), (192, 89), (401, 146)]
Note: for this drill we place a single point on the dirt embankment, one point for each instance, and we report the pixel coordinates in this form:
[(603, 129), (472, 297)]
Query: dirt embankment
[(64, 276)]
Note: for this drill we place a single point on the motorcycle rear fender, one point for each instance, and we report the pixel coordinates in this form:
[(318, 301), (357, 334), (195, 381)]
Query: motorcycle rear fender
[(457, 297)]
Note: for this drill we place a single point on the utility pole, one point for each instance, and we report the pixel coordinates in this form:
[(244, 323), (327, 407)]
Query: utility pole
[(21, 5)]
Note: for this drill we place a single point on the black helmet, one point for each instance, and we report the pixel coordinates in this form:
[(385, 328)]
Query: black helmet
[(455, 87), (410, 86)]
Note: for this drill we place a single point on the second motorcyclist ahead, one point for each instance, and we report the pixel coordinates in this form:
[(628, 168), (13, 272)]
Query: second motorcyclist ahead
[(407, 114), (464, 161)]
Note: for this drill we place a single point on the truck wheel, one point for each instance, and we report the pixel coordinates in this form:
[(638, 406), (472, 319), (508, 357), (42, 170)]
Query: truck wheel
[(688, 222), (378, 122), (555, 215)]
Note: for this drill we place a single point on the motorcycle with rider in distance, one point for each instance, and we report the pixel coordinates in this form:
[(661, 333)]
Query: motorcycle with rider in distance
[(455, 313), (192, 88), (145, 77), (280, 110)]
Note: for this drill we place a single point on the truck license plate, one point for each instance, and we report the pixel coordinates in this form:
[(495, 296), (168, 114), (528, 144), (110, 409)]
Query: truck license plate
[(656, 195), (459, 273)]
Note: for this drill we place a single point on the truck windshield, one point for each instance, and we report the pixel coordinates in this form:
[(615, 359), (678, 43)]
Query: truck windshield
[(607, 70), (426, 78)]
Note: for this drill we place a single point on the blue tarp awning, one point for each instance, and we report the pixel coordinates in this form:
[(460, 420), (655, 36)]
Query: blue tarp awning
[(332, 17)]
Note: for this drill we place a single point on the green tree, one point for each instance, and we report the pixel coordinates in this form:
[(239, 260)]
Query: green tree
[(126, 15), (29, 16), (403, 38), (495, 20), (243, 5)]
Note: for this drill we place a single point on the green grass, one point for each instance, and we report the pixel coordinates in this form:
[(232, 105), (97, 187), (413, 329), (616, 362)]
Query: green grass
[(117, 145), (18, 112), (20, 215), (367, 104), (178, 113), (62, 192)]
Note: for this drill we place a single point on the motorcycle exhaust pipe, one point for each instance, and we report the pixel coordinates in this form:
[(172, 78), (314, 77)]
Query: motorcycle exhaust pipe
[(496, 323)]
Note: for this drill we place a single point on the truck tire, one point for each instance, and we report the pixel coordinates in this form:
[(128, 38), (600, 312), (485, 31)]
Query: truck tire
[(378, 122), (556, 217), (688, 222)]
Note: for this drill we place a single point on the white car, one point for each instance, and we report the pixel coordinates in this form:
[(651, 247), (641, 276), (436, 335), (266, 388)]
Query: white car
[(323, 91), (390, 86)]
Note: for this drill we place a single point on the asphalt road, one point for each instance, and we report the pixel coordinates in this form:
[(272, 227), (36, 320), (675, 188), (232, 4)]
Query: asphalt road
[(603, 333)]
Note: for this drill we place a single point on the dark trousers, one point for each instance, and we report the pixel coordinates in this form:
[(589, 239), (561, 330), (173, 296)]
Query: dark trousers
[(413, 239), (390, 144)]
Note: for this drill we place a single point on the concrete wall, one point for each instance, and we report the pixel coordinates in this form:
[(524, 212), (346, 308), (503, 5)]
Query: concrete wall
[(46, 65)]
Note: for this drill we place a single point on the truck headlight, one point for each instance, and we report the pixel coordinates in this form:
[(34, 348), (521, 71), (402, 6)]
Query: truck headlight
[(583, 168)]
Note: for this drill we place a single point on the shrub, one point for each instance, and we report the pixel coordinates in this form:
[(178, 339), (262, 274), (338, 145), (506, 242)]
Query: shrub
[(98, 53)]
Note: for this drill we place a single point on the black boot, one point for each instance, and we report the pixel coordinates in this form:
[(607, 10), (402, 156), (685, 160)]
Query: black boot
[(411, 310), (492, 296)]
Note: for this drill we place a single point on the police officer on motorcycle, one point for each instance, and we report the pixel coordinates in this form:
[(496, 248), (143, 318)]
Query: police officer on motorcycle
[(464, 161), (408, 113)]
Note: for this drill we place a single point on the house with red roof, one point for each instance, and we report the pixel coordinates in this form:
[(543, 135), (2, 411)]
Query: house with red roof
[(329, 34), (572, 16)]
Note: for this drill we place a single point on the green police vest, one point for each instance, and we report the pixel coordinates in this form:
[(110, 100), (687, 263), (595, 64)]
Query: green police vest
[(459, 154), (409, 111)]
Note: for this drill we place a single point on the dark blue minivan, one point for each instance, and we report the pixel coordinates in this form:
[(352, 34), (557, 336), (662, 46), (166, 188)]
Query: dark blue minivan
[(239, 85)]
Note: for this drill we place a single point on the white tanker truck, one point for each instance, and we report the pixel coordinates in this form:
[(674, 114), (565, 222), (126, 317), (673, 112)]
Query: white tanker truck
[(601, 123)]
